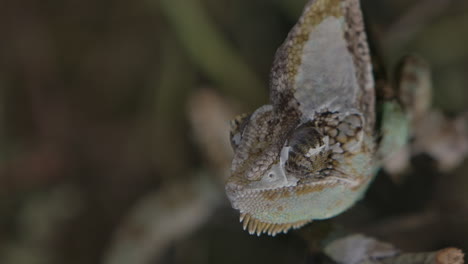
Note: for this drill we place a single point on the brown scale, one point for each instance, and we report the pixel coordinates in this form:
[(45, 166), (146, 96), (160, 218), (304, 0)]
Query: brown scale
[(349, 132), (346, 131)]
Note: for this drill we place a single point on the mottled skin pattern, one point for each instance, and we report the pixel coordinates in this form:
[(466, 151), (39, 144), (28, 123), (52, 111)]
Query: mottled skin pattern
[(312, 153)]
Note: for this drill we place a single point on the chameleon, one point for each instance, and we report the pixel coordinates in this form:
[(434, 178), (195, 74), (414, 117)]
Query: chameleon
[(331, 124)]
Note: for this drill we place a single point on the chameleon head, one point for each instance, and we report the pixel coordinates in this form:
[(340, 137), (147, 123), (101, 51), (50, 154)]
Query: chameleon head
[(287, 172)]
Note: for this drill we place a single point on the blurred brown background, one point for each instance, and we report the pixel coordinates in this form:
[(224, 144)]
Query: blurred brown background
[(99, 102)]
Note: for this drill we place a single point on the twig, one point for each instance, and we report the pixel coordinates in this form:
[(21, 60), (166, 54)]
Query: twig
[(443, 256), (359, 249)]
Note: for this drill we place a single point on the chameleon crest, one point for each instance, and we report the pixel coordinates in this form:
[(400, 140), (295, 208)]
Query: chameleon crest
[(310, 153)]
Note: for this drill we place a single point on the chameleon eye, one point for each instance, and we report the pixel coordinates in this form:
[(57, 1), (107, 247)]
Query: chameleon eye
[(308, 151), (238, 125)]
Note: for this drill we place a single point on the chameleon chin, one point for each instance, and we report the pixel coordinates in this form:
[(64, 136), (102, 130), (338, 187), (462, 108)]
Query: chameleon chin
[(313, 151)]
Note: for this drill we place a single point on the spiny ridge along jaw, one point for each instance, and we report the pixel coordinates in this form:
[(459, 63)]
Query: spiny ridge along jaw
[(330, 180), (255, 226)]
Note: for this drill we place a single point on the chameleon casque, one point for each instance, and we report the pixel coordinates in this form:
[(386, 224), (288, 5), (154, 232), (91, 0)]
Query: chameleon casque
[(313, 151)]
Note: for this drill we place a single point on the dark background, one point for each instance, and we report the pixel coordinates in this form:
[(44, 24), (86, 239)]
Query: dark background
[(99, 102)]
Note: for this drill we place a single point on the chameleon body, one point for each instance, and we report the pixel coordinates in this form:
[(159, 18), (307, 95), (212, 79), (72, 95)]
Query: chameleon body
[(313, 151)]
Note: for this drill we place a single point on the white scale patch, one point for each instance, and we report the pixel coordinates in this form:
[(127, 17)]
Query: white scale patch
[(326, 77), (315, 151)]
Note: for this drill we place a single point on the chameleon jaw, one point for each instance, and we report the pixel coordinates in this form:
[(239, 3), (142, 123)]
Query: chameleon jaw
[(273, 211), (235, 190)]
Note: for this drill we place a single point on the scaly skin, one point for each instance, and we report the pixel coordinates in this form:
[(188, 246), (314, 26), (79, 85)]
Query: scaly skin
[(312, 152)]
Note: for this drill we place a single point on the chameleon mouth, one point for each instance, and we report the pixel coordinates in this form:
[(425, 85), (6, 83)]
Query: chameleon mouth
[(235, 191), (255, 226)]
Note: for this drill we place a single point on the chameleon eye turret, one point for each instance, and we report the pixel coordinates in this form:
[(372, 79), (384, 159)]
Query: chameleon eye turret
[(308, 152)]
